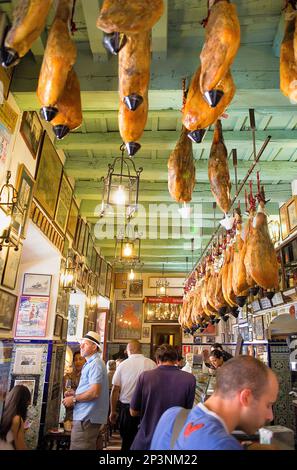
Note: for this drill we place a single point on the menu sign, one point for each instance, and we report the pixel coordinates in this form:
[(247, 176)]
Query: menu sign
[(265, 303), (277, 299), (256, 306)]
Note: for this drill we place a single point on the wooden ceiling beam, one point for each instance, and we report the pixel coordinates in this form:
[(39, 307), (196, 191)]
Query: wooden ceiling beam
[(91, 9)]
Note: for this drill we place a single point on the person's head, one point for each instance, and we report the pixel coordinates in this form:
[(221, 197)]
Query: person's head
[(16, 404), (180, 361), (216, 358), (252, 388), (134, 347), (90, 344), (166, 354), (78, 361), (111, 365), (216, 346), (118, 361)]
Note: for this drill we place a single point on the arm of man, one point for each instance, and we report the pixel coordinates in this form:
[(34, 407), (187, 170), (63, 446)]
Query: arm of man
[(114, 396), (91, 394), (135, 405)]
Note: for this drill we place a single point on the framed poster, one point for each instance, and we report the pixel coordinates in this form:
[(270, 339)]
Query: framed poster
[(81, 237), (283, 220), (58, 325), (48, 177), (103, 273), (166, 310), (108, 280), (32, 316), (7, 309), (63, 204), (72, 219), (258, 328), (64, 328), (3, 255), (128, 319), (101, 324), (146, 332), (24, 186), (121, 281), (31, 130), (28, 360), (136, 288), (11, 268), (73, 315), (37, 284), (292, 213), (30, 381)]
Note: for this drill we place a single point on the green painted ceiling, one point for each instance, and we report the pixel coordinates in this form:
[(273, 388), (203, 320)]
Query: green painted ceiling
[(177, 42)]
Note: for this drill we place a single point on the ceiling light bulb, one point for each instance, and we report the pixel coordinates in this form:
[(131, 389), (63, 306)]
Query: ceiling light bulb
[(127, 251), (131, 275), (5, 221), (120, 196), (162, 290)]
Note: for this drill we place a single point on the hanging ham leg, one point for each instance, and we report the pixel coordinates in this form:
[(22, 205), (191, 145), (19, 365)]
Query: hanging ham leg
[(260, 259), (134, 77), (28, 23), (59, 58), (129, 16), (221, 45), (69, 116), (288, 65), (218, 170), (197, 114), (181, 170)]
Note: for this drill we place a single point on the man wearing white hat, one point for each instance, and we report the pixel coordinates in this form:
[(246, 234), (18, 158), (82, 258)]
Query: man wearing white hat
[(90, 400)]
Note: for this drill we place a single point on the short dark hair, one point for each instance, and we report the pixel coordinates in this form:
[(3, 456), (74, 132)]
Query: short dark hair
[(216, 346), (166, 353), (217, 354), (239, 373)]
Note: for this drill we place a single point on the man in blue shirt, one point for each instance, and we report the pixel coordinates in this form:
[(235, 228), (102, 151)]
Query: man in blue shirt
[(90, 400), (245, 392)]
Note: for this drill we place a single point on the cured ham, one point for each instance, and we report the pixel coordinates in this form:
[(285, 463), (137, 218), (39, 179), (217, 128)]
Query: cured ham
[(260, 258), (69, 116), (134, 77), (230, 300), (28, 22), (59, 58), (218, 170), (221, 45), (197, 114), (129, 16), (239, 281), (288, 64), (181, 170), (220, 301)]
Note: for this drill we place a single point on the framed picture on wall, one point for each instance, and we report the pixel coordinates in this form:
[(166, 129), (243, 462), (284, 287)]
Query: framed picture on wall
[(72, 219), (128, 319), (11, 268), (3, 255), (292, 213), (81, 237), (86, 324), (30, 381), (101, 324), (48, 177), (103, 273), (136, 288), (146, 332), (24, 186), (58, 325), (121, 281), (31, 130), (284, 221), (64, 328), (64, 203), (6, 77), (32, 316), (7, 309), (37, 284), (108, 280), (259, 328)]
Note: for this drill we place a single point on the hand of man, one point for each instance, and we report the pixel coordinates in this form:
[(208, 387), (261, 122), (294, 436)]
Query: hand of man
[(69, 393), (113, 417), (68, 402)]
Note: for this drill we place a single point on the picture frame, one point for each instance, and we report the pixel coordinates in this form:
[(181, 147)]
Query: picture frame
[(73, 317), (32, 316), (128, 319), (102, 278), (146, 332), (259, 328), (108, 280), (31, 130), (136, 288), (30, 381), (3, 256), (121, 281), (81, 237), (6, 75), (8, 303), (291, 206), (101, 323), (166, 310), (11, 268), (28, 360), (86, 324), (64, 331), (37, 284), (58, 325), (283, 221), (91, 326), (24, 186), (48, 177), (63, 203)]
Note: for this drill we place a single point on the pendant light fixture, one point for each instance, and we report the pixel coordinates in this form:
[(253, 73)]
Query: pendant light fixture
[(127, 247), (11, 216), (161, 285)]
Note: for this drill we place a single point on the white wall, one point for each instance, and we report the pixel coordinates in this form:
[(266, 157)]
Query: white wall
[(79, 299)]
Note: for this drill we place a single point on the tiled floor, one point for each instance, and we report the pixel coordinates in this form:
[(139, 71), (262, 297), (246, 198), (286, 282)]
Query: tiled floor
[(115, 442)]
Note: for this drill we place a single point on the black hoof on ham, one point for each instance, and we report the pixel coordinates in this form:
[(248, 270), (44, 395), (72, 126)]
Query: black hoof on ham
[(217, 320), (213, 97), (9, 57), (269, 294), (48, 113), (254, 290), (61, 131), (133, 101), (222, 311), (235, 311), (197, 136), (114, 42), (225, 317), (240, 300), (132, 148)]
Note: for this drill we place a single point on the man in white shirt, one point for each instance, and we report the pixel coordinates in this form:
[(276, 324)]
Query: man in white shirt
[(123, 385)]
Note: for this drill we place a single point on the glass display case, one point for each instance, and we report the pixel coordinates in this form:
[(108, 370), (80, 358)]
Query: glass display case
[(205, 384)]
